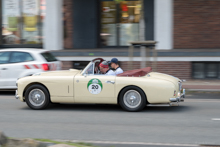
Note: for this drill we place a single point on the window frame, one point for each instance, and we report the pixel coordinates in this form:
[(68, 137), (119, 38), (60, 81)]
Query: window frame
[(22, 61), (205, 70), (8, 58), (47, 52), (87, 67)]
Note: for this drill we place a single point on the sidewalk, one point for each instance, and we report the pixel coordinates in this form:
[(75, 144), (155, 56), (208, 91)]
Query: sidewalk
[(202, 85)]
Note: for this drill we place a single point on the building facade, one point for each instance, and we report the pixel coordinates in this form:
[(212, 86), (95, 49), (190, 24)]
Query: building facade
[(187, 31)]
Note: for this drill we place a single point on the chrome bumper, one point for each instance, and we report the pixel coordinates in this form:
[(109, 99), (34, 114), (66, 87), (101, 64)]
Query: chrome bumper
[(16, 94), (179, 99)]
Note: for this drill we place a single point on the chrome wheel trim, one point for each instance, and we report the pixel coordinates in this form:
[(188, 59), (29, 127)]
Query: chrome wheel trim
[(36, 97), (132, 99)]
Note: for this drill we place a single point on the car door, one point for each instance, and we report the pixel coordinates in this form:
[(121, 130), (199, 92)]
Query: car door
[(90, 88), (4, 59), (17, 69)]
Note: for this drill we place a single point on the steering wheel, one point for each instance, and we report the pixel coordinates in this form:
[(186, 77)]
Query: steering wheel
[(96, 69)]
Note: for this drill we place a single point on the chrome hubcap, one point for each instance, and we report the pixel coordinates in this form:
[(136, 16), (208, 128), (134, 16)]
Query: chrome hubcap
[(36, 97), (132, 99)]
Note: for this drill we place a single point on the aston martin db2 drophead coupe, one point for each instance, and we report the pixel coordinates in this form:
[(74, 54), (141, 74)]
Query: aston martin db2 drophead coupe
[(132, 90)]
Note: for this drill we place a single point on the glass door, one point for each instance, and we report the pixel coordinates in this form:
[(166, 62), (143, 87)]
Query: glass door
[(119, 22)]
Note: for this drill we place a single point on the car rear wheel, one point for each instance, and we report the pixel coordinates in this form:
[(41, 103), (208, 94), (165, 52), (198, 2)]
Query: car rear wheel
[(132, 99), (37, 97)]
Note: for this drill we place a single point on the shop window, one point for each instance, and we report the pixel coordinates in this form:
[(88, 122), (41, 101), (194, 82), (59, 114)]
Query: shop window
[(22, 21), (212, 70), (206, 70), (219, 71), (198, 72), (120, 22)]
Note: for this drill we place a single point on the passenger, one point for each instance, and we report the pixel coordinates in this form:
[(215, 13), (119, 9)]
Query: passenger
[(104, 68), (115, 65)]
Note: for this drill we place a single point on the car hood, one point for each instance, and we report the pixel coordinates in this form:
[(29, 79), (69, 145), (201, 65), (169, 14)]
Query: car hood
[(71, 72), (164, 77)]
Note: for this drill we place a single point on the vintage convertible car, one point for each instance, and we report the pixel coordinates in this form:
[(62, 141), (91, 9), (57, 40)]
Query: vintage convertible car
[(132, 90)]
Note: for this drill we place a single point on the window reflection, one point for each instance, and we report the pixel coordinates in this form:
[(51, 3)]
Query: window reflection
[(129, 22), (211, 70), (198, 70), (90, 70), (22, 21), (17, 57), (120, 22), (219, 70), (206, 70), (4, 57)]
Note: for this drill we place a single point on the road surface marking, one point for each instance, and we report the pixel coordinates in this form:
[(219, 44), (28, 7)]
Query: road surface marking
[(216, 119), (128, 143)]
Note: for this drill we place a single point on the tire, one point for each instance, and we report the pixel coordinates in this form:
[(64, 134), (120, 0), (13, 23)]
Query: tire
[(132, 99), (37, 97)]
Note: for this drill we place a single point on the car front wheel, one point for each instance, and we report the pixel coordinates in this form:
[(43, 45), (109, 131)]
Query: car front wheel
[(37, 97), (132, 99)]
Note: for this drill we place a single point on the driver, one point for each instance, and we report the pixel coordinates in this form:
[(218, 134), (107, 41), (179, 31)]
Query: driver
[(104, 68)]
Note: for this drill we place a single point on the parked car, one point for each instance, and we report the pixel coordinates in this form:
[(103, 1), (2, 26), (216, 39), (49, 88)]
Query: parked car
[(17, 63), (133, 90)]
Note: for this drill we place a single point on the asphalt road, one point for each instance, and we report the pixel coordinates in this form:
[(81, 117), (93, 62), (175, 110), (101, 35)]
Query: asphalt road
[(194, 122)]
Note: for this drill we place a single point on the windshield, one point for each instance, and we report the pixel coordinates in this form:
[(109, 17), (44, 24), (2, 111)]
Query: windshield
[(89, 69)]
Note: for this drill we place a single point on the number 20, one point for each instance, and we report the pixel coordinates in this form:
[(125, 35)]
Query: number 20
[(95, 86)]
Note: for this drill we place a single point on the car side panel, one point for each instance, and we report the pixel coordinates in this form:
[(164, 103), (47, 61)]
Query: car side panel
[(82, 94), (59, 87), (156, 90)]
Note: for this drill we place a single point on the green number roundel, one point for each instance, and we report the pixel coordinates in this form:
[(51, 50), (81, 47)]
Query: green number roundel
[(94, 86)]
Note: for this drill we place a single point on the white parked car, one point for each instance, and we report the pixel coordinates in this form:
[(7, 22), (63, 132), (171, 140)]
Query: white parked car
[(17, 63)]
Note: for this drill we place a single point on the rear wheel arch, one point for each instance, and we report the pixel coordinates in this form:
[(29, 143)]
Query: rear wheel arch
[(130, 86)]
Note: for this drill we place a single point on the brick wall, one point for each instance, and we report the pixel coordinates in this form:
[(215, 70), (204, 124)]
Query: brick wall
[(68, 27), (196, 24), (181, 70), (67, 65)]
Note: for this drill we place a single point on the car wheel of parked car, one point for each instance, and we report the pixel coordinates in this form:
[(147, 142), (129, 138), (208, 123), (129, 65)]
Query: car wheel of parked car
[(132, 99), (37, 97)]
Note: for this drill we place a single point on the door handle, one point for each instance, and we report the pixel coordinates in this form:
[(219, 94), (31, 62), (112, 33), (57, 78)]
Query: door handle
[(110, 82), (4, 69)]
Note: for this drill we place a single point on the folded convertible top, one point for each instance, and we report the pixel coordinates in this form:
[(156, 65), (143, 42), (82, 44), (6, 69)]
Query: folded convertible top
[(136, 72)]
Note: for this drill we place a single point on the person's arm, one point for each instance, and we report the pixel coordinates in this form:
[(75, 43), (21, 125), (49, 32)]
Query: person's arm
[(110, 72), (119, 71)]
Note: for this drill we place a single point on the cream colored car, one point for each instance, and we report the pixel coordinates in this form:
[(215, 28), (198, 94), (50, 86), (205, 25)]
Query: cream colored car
[(85, 86)]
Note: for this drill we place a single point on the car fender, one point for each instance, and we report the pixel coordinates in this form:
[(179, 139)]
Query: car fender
[(156, 90), (59, 87)]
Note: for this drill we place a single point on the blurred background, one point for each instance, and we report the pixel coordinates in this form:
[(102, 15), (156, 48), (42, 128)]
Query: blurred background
[(76, 31)]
